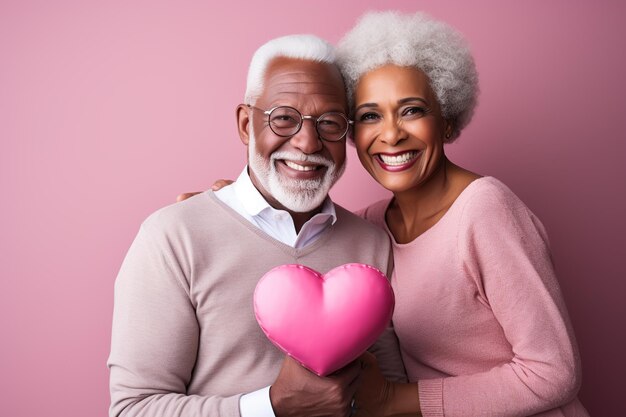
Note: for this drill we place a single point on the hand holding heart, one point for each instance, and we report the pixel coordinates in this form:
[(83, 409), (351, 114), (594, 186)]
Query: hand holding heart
[(375, 393), (299, 392)]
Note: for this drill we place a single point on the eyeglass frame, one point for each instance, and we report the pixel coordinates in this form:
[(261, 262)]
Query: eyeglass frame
[(302, 119)]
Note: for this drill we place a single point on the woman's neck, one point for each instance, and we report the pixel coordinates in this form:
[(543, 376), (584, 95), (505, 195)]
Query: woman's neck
[(416, 210)]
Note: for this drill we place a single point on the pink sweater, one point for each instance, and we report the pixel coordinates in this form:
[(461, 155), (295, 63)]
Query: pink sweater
[(479, 314)]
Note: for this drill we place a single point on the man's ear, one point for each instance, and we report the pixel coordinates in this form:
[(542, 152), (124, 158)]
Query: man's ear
[(243, 123)]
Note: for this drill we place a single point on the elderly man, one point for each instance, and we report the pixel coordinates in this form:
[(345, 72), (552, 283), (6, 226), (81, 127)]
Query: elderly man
[(185, 341)]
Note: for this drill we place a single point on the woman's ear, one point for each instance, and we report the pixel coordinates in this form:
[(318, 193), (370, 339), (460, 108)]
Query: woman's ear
[(243, 123), (449, 130)]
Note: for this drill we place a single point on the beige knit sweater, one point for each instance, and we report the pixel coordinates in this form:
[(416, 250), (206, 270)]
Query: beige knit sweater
[(185, 341)]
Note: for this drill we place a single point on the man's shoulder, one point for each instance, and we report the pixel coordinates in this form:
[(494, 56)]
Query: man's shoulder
[(186, 214), (357, 223), (374, 214), (361, 241)]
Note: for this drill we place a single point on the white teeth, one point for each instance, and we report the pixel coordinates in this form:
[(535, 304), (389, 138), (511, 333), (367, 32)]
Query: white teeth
[(299, 167), (397, 159)]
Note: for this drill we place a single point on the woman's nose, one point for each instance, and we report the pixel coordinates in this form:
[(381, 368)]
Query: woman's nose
[(391, 132)]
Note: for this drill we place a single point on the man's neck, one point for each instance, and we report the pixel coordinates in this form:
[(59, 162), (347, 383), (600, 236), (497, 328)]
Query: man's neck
[(299, 219)]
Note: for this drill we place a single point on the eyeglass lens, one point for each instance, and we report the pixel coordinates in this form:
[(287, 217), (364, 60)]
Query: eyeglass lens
[(286, 121)]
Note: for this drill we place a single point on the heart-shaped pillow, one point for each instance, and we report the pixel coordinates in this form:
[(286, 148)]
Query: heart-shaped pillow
[(323, 321)]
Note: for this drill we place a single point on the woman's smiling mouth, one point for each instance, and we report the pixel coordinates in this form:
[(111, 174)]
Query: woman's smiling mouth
[(397, 161)]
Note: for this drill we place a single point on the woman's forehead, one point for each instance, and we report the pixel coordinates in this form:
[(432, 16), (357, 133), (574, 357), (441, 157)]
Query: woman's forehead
[(392, 80)]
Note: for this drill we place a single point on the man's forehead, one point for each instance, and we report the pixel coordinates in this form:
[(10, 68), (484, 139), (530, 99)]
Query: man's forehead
[(286, 76), (286, 84), (285, 71)]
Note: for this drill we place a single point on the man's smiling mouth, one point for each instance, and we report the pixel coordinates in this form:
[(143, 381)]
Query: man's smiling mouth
[(300, 167)]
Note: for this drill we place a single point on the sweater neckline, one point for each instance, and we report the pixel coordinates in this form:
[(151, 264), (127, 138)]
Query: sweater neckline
[(444, 219), (296, 252)]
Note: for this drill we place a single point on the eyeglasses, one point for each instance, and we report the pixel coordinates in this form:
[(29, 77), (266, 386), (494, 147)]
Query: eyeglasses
[(285, 121)]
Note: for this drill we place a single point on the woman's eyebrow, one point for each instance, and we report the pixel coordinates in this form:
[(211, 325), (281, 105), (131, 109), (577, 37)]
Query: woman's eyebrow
[(409, 99), (366, 105), (401, 101)]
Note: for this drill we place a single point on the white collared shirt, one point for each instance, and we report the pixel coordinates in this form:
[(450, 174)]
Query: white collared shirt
[(243, 197)]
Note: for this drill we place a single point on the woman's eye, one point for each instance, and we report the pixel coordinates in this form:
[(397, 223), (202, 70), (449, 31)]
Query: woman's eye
[(368, 117), (414, 111)]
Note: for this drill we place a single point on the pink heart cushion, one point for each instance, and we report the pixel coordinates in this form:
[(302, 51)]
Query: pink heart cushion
[(323, 321)]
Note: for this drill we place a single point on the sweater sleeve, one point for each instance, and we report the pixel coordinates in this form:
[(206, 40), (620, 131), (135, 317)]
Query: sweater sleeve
[(155, 337), (387, 353), (504, 250)]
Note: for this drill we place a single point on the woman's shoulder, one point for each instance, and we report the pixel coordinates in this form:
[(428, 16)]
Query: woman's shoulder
[(491, 205), (488, 195)]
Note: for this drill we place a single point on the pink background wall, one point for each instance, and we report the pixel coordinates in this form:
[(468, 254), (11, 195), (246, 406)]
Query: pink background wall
[(108, 111)]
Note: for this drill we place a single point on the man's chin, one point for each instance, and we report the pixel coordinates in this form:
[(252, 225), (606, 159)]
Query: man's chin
[(303, 203), (304, 197)]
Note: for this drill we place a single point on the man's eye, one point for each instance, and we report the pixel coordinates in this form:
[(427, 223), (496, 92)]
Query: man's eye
[(328, 123), (283, 119)]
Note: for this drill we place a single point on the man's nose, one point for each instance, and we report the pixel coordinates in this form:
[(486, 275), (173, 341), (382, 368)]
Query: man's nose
[(307, 139)]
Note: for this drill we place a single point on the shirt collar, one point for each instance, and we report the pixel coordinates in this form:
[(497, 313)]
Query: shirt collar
[(254, 203)]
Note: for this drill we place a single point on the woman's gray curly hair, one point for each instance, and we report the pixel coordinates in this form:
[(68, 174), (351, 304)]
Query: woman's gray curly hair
[(417, 40)]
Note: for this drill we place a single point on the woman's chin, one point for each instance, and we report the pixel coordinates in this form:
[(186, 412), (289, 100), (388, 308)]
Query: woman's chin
[(395, 185)]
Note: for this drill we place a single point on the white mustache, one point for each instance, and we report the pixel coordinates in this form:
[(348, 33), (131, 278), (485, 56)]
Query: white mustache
[(302, 157)]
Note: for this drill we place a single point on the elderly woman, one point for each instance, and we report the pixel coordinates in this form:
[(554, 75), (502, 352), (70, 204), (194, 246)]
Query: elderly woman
[(479, 315)]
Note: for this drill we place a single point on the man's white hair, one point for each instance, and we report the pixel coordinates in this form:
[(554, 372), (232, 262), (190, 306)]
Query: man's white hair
[(305, 47), (417, 40)]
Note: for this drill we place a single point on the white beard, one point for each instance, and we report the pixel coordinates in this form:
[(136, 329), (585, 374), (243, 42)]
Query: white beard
[(299, 196)]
